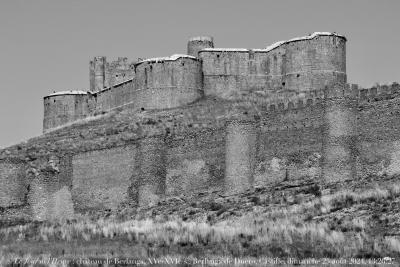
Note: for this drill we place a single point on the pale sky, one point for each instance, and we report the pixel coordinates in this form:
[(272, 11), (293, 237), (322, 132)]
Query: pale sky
[(46, 45)]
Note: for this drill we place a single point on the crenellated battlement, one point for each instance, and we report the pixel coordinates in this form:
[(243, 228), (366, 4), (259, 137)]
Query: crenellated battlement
[(379, 92), (285, 101)]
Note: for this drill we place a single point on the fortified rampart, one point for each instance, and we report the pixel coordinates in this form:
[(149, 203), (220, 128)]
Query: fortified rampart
[(213, 144), (111, 97), (301, 64), (163, 133)]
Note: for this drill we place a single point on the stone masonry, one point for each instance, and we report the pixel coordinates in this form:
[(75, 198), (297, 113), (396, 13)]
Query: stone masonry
[(215, 119)]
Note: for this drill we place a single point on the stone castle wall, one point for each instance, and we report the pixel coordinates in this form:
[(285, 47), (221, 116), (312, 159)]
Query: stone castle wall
[(13, 184), (48, 194), (157, 85), (299, 65), (280, 113), (61, 109), (288, 135), (118, 71), (101, 178), (196, 160), (313, 64), (203, 145), (336, 138), (112, 97), (224, 72), (167, 84), (240, 155), (103, 74), (302, 65), (378, 128)]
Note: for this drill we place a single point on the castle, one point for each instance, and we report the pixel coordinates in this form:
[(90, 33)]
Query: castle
[(298, 65), (214, 119)]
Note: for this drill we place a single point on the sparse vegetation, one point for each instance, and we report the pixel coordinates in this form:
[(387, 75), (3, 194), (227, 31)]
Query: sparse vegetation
[(245, 236), (255, 224), (277, 232)]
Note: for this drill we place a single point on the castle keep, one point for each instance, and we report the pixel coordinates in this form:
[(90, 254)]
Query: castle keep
[(212, 119)]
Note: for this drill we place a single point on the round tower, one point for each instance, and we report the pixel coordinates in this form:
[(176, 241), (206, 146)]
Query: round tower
[(168, 82), (310, 62), (196, 44), (339, 136), (64, 107), (240, 154)]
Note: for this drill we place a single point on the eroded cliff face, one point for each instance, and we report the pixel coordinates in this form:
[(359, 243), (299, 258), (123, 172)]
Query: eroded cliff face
[(129, 158)]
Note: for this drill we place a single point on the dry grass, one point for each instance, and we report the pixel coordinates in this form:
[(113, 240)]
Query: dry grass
[(280, 232), (333, 202), (242, 237)]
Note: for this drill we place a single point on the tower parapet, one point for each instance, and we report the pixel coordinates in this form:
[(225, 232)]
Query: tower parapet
[(198, 43)]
